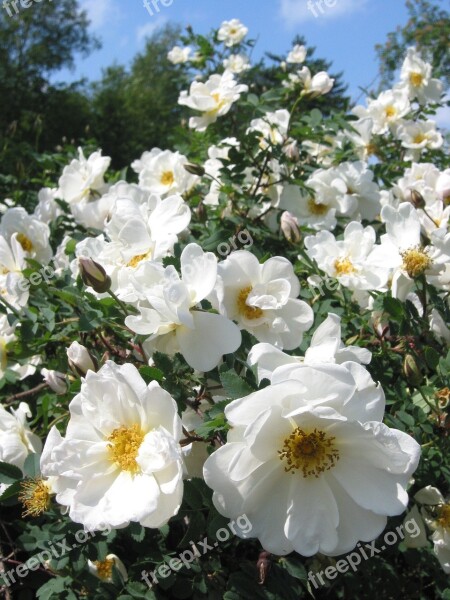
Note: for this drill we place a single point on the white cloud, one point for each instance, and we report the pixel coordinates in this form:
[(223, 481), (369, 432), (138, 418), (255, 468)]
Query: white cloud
[(98, 11), (294, 12), (148, 29)]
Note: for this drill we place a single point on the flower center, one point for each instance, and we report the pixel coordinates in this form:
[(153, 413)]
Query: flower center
[(25, 242), (311, 453), (415, 261), (167, 178), (416, 79), (390, 112), (371, 149), (136, 260), (249, 312), (315, 208), (344, 266), (35, 497), (104, 568), (419, 138), (124, 444), (444, 516)]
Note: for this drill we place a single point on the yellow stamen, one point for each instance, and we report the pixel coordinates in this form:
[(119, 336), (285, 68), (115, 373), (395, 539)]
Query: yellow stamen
[(344, 266), (419, 138), (104, 568), (249, 312), (416, 79), (444, 516), (136, 260), (124, 444), (311, 453), (390, 112), (35, 497), (315, 208), (167, 178), (25, 242), (415, 261)]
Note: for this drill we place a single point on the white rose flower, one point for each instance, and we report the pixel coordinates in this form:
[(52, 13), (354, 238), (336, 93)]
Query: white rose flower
[(82, 180), (326, 346), (31, 233), (273, 127), (348, 260), (262, 299), (47, 209), (212, 99), (297, 55), (162, 172), (306, 209), (318, 85), (436, 513), (310, 463), (415, 77), (237, 63), (170, 313), (402, 251), (14, 288), (418, 136), (17, 440), (179, 55), (232, 32), (386, 110), (120, 460)]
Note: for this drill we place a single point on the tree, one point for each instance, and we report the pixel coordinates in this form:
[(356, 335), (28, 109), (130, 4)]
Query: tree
[(34, 44), (137, 109), (428, 28)]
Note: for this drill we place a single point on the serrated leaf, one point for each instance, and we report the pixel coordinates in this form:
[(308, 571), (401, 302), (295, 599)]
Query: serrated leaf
[(234, 386), (9, 473)]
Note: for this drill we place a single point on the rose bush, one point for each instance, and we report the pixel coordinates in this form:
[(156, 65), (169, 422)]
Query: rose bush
[(253, 322)]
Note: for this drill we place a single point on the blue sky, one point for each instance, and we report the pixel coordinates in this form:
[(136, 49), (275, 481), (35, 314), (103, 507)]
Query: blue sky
[(345, 33)]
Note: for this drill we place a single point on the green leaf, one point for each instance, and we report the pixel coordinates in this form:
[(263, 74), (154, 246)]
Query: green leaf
[(32, 467), (234, 386), (9, 473), (151, 374)]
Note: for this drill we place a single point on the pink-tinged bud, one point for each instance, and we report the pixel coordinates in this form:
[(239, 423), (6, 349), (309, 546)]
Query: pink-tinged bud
[(289, 227), (57, 381), (94, 275), (80, 360)]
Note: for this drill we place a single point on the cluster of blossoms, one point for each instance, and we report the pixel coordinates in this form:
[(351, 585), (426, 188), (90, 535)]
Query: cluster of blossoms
[(307, 456)]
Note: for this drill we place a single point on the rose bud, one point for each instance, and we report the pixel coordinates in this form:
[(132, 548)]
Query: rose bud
[(194, 169), (289, 227), (94, 275), (57, 381), (412, 372), (80, 360)]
